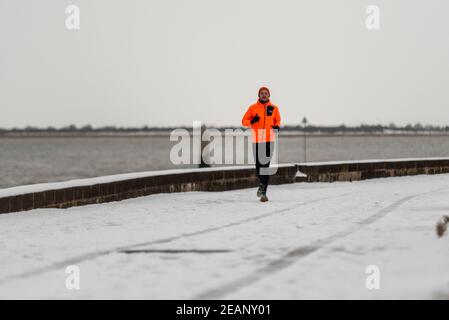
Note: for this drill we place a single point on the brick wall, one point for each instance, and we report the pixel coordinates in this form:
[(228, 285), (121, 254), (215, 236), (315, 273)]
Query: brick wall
[(352, 171), (217, 180), (204, 180)]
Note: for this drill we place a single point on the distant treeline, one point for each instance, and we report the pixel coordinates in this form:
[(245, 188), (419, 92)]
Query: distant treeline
[(310, 128)]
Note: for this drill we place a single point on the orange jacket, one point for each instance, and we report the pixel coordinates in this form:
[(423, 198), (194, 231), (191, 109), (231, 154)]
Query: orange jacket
[(269, 116)]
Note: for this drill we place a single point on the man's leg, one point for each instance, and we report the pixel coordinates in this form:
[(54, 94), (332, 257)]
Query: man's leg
[(263, 152), (256, 159), (264, 176), (258, 165)]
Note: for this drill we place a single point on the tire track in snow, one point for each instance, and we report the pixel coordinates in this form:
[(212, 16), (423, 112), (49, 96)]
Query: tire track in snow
[(301, 252), (100, 253)]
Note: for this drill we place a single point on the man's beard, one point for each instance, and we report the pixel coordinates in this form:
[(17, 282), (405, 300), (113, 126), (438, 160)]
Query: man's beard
[(263, 100)]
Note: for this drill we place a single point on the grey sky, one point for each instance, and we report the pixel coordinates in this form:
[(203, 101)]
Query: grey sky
[(137, 62)]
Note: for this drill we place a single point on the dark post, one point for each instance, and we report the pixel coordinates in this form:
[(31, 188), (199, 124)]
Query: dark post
[(203, 145), (304, 122)]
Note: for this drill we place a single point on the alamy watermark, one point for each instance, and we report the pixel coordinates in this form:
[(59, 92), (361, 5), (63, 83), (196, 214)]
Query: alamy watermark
[(226, 147), (72, 20), (73, 14), (372, 282), (372, 21), (72, 282)]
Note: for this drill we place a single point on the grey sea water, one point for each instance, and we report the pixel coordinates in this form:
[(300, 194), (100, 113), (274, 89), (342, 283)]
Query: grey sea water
[(29, 160)]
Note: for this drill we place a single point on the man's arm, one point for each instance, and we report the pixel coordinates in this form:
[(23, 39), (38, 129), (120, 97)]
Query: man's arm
[(276, 120), (246, 120)]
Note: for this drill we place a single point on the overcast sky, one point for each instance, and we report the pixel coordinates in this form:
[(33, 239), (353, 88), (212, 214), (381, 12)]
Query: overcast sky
[(170, 62)]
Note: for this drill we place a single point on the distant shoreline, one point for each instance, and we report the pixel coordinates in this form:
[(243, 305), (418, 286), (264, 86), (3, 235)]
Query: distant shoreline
[(159, 134)]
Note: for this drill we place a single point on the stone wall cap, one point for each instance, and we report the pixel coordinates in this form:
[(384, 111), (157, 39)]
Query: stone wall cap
[(369, 161)]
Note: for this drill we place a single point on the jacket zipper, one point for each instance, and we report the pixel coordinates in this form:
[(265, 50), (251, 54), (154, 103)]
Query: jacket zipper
[(264, 115)]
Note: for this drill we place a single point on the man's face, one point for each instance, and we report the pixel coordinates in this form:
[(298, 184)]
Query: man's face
[(264, 95)]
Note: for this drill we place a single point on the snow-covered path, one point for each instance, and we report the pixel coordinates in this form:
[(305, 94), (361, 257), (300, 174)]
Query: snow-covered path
[(311, 240)]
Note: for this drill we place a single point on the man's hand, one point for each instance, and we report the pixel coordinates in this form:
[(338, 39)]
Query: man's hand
[(275, 128), (255, 119)]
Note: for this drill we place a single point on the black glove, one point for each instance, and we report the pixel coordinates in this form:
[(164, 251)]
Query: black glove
[(275, 128), (255, 119)]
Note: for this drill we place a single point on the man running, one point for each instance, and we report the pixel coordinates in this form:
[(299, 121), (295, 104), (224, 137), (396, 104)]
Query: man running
[(263, 117)]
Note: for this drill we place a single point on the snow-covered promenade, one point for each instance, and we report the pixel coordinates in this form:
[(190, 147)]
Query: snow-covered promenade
[(311, 240)]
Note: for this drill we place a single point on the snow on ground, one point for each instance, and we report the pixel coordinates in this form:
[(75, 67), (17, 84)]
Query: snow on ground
[(311, 240)]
